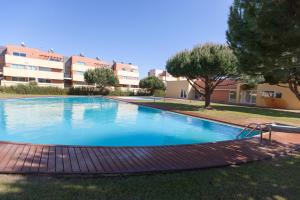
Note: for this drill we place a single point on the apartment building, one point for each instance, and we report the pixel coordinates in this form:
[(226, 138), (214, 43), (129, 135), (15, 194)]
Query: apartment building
[(21, 64), (128, 75), (75, 67), (162, 75)]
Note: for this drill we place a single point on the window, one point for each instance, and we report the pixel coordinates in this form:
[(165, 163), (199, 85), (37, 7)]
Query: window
[(47, 69), (80, 73), (43, 80), (248, 97), (271, 94), (232, 96), (19, 54), (16, 66), (80, 63), (183, 94), (31, 79), (20, 79), (54, 59), (30, 67)]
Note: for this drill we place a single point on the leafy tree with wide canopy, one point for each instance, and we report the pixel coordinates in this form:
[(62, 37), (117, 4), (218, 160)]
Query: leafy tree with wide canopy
[(101, 77), (152, 83), (265, 37), (209, 63)]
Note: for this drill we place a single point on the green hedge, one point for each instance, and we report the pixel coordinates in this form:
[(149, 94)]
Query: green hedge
[(87, 91), (159, 93), (32, 89), (119, 92)]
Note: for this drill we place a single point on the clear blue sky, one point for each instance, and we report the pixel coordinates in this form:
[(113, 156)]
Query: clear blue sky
[(144, 32)]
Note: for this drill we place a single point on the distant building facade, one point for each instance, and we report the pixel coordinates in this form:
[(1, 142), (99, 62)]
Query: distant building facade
[(75, 67), (128, 75), (22, 65), (162, 75), (234, 92)]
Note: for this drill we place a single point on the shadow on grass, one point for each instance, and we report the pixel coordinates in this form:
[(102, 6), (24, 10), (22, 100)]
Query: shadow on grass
[(276, 179), (232, 108)]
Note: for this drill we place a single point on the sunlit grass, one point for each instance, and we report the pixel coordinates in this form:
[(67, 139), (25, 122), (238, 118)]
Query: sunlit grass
[(272, 179), (244, 114)]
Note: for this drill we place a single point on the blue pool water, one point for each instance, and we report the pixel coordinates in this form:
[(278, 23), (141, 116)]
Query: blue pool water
[(99, 121)]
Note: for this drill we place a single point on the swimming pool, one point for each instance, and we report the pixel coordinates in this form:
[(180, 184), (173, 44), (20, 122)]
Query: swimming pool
[(95, 121)]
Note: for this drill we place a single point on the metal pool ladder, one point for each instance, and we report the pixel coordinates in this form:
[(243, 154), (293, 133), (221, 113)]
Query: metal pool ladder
[(255, 126)]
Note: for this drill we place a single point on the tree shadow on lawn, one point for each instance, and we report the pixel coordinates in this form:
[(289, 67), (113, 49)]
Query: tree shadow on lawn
[(232, 108), (259, 180)]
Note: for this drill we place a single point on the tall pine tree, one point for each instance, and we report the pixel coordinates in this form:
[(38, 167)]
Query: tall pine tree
[(265, 37)]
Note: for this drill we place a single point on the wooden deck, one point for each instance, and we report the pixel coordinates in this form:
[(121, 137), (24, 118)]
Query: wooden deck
[(47, 159)]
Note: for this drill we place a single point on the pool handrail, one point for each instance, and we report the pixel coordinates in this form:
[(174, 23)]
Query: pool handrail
[(257, 127)]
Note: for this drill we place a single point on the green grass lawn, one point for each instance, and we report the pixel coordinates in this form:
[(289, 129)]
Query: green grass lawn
[(234, 112), (272, 179)]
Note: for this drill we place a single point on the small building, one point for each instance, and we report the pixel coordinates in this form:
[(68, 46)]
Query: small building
[(128, 75), (276, 97), (234, 92), (21, 65)]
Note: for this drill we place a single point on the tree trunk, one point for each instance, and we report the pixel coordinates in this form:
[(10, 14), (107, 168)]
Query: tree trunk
[(207, 95), (293, 85), (207, 101)]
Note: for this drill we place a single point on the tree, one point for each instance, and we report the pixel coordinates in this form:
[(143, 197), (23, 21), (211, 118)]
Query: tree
[(102, 77), (265, 37), (209, 63), (152, 83)]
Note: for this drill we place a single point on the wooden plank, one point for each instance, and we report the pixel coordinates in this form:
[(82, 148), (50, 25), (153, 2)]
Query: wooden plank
[(51, 160), (73, 159), (8, 155), (114, 163), (3, 153), (21, 160), (104, 163), (59, 166), (89, 163), (156, 160), (14, 159), (44, 159), (80, 159), (105, 158), (37, 159), (142, 158), (124, 159), (28, 161), (93, 156), (66, 160)]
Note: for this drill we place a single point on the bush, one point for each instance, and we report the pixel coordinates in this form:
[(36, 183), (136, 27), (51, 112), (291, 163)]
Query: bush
[(143, 92), (87, 91), (159, 93), (119, 92), (32, 89)]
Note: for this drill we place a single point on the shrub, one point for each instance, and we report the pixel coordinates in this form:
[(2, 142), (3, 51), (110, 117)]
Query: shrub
[(143, 92), (32, 89), (159, 93), (119, 92), (87, 91)]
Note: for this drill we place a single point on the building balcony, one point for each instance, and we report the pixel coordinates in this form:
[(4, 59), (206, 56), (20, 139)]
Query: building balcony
[(33, 61)]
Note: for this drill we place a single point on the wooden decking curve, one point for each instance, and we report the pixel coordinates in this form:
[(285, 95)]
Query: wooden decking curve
[(47, 159)]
